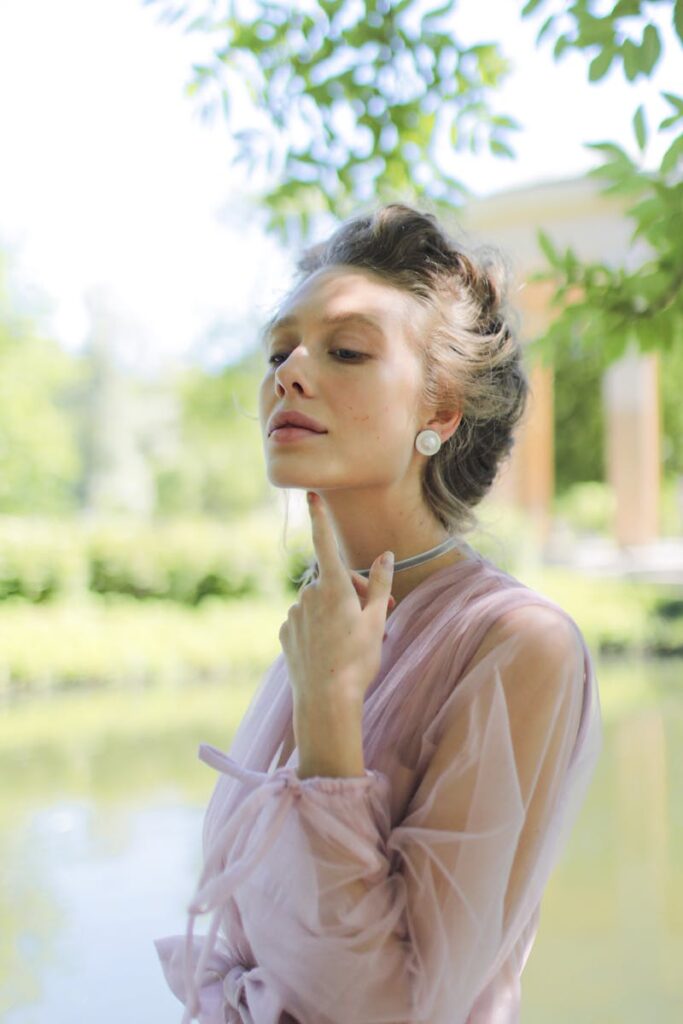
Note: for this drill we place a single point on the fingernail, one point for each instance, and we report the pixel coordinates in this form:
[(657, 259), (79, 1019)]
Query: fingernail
[(387, 559), (311, 497)]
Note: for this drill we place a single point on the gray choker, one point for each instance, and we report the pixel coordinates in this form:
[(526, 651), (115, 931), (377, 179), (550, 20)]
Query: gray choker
[(425, 556)]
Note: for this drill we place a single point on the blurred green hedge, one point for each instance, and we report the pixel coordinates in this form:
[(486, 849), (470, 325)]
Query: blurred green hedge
[(127, 603), (187, 560), (119, 641), (184, 562)]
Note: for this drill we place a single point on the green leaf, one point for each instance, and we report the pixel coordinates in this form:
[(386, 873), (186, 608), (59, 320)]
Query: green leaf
[(500, 148), (593, 31), (503, 121), (571, 264), (645, 213), (531, 6), (622, 185), (611, 148), (675, 101), (330, 6), (640, 127), (650, 49), (600, 65), (548, 248), (678, 19), (631, 57), (560, 46), (545, 28), (669, 121), (430, 16), (626, 9), (672, 155)]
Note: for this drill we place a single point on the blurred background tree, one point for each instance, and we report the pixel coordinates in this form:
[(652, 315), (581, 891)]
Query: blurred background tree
[(40, 462), (219, 471)]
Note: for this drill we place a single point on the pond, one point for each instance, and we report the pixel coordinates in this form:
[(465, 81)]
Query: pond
[(101, 808)]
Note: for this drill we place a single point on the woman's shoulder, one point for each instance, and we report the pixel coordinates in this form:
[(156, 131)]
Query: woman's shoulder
[(511, 607)]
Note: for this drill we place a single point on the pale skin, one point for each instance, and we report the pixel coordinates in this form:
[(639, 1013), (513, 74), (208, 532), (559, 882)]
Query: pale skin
[(365, 471)]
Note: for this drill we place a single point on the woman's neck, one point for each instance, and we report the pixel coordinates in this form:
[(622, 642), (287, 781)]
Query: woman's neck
[(404, 582)]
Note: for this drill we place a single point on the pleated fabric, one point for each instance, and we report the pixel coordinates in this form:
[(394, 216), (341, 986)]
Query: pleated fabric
[(410, 894)]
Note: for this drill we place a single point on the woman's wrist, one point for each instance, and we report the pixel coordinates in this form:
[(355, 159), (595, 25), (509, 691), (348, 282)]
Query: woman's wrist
[(329, 740)]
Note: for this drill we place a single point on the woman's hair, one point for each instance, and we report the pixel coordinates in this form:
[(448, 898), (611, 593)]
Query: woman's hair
[(471, 356)]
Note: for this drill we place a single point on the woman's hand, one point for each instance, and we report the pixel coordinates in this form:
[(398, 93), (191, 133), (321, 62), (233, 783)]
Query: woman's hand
[(361, 586), (332, 637)]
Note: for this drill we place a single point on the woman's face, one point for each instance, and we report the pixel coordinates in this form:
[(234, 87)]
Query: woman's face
[(342, 357)]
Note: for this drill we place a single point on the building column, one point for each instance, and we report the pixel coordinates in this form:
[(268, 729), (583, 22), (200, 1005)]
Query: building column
[(630, 389)]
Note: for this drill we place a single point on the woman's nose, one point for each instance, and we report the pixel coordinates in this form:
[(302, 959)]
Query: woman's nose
[(288, 373)]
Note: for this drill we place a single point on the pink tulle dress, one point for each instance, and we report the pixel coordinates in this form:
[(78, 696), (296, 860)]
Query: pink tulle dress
[(477, 763)]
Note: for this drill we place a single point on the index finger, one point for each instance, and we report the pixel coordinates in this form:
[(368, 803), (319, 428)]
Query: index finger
[(324, 540)]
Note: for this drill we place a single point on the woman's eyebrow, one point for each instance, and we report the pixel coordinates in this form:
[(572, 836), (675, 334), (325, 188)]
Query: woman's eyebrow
[(364, 319)]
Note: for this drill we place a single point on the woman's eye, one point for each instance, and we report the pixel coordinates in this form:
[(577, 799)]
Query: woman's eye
[(348, 352)]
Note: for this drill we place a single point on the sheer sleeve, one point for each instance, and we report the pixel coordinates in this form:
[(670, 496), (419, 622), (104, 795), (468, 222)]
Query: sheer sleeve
[(348, 919)]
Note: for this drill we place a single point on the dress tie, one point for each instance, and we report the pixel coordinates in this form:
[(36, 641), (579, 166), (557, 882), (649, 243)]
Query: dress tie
[(213, 893)]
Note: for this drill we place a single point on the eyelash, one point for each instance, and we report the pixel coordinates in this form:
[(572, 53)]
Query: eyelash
[(358, 356)]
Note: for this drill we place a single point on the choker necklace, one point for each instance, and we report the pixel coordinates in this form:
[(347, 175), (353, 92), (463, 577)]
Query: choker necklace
[(425, 556)]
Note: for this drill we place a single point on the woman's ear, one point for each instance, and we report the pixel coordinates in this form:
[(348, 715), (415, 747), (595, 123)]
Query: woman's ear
[(446, 425)]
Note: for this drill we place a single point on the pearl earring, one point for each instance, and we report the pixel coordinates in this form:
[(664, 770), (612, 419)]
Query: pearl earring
[(428, 442)]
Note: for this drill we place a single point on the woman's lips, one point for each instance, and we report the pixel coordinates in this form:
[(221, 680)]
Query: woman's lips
[(281, 434)]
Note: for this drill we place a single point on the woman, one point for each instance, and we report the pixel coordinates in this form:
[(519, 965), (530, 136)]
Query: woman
[(401, 786)]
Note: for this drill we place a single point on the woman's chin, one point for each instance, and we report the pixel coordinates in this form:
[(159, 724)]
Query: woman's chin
[(291, 480)]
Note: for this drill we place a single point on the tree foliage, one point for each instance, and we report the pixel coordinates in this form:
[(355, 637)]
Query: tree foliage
[(39, 455), (356, 97), (218, 470), (611, 307)]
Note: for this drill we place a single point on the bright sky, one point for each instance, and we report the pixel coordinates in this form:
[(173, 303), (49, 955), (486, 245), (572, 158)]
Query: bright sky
[(110, 178)]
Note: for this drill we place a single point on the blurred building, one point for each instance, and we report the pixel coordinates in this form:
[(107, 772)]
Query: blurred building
[(574, 213)]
